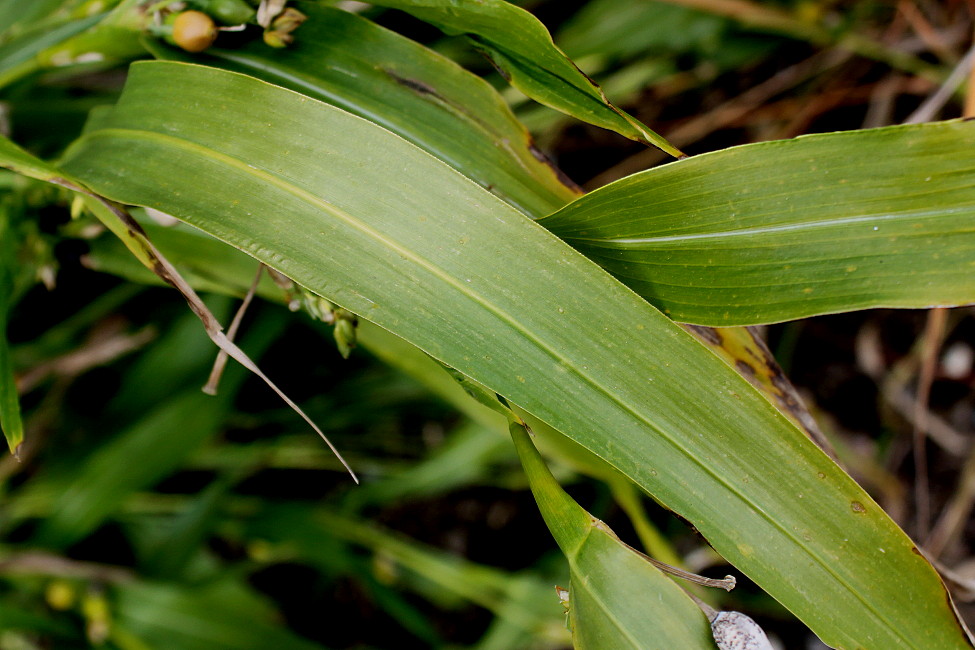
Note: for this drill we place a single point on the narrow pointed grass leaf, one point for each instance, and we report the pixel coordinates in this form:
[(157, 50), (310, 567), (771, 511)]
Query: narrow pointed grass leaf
[(522, 49), (518, 599), (380, 227), (15, 158), (19, 56), (781, 230), (617, 599), (11, 421)]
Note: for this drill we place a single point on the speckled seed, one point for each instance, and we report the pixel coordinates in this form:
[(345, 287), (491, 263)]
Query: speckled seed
[(735, 631)]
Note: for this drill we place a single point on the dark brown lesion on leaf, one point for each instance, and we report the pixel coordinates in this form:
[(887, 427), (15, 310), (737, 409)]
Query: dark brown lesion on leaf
[(745, 368), (541, 157), (428, 92), (415, 85), (485, 50), (708, 334)]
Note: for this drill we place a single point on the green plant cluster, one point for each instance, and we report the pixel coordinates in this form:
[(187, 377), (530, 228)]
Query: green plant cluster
[(367, 187)]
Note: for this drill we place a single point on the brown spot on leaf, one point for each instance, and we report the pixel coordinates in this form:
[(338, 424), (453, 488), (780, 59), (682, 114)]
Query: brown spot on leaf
[(485, 50), (415, 85), (707, 334), (744, 368), (540, 156)]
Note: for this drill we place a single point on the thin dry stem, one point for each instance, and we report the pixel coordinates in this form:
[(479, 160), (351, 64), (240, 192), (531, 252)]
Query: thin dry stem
[(933, 333), (951, 524), (168, 273), (39, 562), (213, 383), (933, 104), (725, 114)]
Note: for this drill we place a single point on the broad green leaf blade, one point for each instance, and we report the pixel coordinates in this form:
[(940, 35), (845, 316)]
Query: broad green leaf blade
[(381, 228), (350, 62), (523, 51), (617, 599), (775, 231), (745, 351)]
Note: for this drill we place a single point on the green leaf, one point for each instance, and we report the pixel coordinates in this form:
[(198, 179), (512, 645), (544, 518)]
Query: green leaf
[(177, 422), (10, 416), (620, 29), (350, 62), (226, 615), (13, 617), (383, 229), (518, 599), (617, 599), (523, 51), (19, 56), (89, 40), (22, 162), (781, 230), (14, 13), (137, 459)]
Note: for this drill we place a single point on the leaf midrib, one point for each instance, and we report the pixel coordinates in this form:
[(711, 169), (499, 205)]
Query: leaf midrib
[(805, 225)]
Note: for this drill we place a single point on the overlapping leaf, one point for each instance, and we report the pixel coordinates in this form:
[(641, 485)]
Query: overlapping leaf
[(382, 228), (617, 599), (350, 62), (782, 230), (523, 51)]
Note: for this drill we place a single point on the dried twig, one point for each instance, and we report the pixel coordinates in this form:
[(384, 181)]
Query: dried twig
[(933, 104), (213, 383), (94, 354), (933, 334), (38, 562), (954, 517)]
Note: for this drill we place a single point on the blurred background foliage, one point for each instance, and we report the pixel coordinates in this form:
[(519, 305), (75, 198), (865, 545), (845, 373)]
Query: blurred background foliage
[(144, 514)]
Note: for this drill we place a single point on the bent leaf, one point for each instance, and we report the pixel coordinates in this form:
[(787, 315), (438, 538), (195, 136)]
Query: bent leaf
[(14, 158), (523, 51), (380, 227), (781, 230), (617, 599), (350, 62)]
